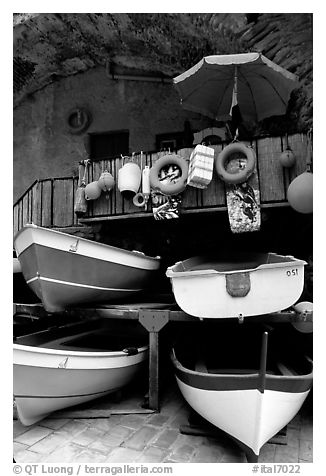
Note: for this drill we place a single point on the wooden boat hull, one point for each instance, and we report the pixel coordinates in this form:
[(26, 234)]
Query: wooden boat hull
[(65, 271), (251, 404), (48, 379), (248, 416), (249, 285)]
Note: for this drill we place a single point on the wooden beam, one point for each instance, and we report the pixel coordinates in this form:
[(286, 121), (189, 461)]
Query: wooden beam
[(183, 212)]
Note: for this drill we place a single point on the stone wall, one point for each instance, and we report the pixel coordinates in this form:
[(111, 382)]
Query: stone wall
[(43, 145)]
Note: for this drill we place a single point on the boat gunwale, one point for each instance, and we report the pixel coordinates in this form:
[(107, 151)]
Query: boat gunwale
[(72, 353), (172, 273), (255, 377)]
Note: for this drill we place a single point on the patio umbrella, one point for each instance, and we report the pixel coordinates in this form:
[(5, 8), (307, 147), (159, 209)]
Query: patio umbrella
[(216, 84)]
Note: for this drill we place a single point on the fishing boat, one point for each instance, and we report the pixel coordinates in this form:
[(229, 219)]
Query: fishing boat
[(67, 365), (238, 285), (64, 270), (249, 390)]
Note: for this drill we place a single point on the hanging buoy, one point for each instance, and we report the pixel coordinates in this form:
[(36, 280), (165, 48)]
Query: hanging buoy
[(129, 179), (92, 191), (169, 174), (240, 175), (287, 158), (80, 207), (300, 193), (106, 181), (146, 184)]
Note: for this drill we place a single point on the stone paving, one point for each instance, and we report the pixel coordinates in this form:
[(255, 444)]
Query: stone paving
[(149, 438)]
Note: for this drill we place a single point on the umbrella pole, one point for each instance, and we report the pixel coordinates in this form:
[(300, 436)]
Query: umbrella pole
[(235, 100), (235, 90), (236, 85)]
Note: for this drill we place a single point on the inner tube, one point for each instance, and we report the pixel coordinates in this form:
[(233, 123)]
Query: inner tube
[(243, 174), (173, 186), (139, 200)]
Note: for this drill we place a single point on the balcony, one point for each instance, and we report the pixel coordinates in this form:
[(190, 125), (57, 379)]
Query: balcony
[(50, 202)]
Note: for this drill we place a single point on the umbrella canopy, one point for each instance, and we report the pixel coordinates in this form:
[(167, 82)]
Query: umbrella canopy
[(213, 86)]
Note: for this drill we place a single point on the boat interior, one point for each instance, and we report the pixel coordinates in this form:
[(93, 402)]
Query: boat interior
[(238, 350), (232, 262), (97, 335)]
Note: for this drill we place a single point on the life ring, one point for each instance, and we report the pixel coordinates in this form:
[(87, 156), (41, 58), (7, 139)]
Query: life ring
[(78, 120), (224, 156), (139, 200), (164, 185)]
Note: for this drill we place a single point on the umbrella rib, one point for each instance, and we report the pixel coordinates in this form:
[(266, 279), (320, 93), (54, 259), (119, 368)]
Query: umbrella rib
[(268, 81), (222, 96), (251, 92), (252, 95), (186, 97)]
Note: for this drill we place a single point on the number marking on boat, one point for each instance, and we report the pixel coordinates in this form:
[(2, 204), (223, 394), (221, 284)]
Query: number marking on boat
[(292, 272)]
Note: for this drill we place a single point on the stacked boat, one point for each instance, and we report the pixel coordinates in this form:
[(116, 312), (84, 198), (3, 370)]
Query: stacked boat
[(71, 364), (244, 380), (238, 285), (65, 271), (235, 380)]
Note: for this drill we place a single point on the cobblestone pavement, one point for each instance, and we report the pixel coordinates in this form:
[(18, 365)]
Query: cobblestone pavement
[(149, 438)]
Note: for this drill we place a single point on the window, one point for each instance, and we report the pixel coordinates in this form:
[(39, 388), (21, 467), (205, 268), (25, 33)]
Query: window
[(172, 141), (109, 145)]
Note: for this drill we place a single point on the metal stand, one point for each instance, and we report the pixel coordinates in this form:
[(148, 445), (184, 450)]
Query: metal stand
[(153, 321)]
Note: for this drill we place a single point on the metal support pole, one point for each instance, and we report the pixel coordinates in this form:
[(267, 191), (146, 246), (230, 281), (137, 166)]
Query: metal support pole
[(153, 379), (153, 321)]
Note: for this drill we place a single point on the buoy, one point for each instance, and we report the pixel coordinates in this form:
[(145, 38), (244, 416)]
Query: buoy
[(106, 181), (287, 158), (300, 193), (92, 191), (129, 179), (303, 307), (80, 207)]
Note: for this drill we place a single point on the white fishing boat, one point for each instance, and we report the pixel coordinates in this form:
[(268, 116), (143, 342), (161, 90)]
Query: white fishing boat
[(72, 364), (237, 285), (65, 271), (249, 396)]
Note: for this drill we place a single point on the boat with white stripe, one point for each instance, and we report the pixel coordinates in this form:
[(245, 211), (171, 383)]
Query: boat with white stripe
[(250, 394), (65, 270), (67, 365)]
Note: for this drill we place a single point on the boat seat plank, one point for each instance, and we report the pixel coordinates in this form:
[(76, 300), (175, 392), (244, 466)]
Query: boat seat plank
[(200, 366), (285, 370), (232, 371), (237, 371)]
